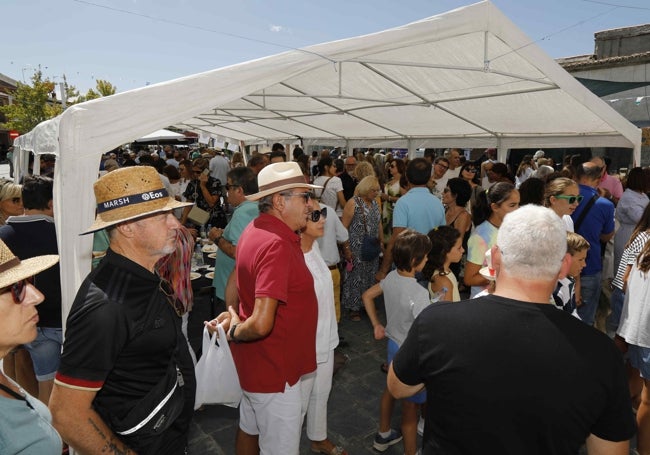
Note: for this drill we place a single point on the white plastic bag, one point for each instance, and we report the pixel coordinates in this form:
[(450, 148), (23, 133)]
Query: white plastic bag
[(217, 381)]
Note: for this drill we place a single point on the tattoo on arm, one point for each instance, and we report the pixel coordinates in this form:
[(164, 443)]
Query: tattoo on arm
[(110, 447)]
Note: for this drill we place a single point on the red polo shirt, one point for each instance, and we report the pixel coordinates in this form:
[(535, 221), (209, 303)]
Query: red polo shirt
[(270, 263)]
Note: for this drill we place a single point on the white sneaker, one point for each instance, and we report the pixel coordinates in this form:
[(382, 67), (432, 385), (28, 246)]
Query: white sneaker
[(421, 426)]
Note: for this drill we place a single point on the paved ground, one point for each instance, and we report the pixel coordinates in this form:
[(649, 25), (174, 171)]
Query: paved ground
[(353, 405)]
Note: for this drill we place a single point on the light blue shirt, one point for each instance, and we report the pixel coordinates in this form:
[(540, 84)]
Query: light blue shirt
[(419, 210), (223, 265)]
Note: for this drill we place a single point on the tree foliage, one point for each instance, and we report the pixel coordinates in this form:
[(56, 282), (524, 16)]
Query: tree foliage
[(104, 88), (35, 103), (32, 104)]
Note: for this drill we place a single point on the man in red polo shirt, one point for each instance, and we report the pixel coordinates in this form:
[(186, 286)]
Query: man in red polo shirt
[(274, 333)]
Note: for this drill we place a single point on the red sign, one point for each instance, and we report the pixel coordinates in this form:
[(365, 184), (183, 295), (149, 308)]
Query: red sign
[(13, 134)]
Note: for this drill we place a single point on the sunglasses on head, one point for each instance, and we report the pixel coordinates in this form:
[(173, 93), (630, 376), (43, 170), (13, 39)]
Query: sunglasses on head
[(306, 196), (316, 215), (18, 290), (571, 199)]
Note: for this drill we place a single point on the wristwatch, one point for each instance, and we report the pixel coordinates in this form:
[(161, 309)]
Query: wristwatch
[(231, 333)]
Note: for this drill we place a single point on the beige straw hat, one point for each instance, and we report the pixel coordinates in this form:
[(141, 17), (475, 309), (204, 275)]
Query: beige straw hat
[(129, 193), (12, 269), (278, 177)]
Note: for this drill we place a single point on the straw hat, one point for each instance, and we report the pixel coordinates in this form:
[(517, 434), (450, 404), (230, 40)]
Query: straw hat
[(129, 193), (278, 177), (12, 269)]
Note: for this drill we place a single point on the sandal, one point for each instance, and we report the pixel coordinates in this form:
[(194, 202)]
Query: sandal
[(355, 316)]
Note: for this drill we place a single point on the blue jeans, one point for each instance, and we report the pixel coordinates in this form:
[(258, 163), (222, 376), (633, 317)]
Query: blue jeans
[(45, 351), (616, 303), (590, 288)]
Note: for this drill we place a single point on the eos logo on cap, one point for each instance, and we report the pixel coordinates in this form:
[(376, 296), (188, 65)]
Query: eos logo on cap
[(152, 195)]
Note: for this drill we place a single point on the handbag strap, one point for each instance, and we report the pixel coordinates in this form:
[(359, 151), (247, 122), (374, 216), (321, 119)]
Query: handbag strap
[(15, 394), (361, 204), (584, 213)]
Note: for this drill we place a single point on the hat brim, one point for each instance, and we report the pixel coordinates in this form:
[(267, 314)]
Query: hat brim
[(288, 186), (26, 268), (100, 223)]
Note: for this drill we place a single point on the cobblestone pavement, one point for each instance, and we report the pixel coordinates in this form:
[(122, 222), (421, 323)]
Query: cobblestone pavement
[(353, 412)]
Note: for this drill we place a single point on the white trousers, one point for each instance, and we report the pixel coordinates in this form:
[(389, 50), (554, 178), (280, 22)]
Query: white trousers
[(320, 393)]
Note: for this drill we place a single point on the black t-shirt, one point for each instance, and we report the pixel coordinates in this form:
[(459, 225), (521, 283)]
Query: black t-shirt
[(510, 377), (119, 345), (35, 235)]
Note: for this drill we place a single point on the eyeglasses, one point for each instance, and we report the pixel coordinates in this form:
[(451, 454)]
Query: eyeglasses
[(570, 199), (166, 288), (442, 166), (316, 215), (229, 187), (18, 290), (306, 196)]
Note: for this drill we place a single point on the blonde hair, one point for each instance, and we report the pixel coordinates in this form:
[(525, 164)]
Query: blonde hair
[(365, 185), (556, 187), (10, 190), (576, 243), (364, 169)]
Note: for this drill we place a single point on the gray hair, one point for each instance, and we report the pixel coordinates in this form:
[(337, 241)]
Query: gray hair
[(532, 241), (265, 203)]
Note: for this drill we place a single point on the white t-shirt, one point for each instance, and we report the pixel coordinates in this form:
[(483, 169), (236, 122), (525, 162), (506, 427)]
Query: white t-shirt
[(635, 318), (328, 195)]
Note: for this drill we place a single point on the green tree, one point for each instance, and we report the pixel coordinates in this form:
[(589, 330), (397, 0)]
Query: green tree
[(32, 104), (103, 88)]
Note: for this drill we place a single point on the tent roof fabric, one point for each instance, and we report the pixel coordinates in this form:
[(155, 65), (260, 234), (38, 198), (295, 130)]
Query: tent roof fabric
[(466, 78)]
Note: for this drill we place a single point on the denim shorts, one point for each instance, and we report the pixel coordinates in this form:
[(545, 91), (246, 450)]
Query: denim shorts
[(418, 398), (640, 359), (45, 351)]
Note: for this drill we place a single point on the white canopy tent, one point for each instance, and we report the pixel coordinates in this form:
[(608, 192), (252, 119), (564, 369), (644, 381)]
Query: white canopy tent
[(466, 78), (162, 135)]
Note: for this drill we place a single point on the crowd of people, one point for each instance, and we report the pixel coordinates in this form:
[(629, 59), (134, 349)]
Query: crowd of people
[(304, 241)]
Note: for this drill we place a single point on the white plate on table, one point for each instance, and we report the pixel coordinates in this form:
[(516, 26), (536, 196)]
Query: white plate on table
[(212, 255), (209, 275), (485, 273), (194, 275), (209, 248)]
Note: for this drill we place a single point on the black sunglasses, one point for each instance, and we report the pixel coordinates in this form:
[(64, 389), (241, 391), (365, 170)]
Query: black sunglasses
[(306, 196), (316, 215), (18, 290), (166, 288)]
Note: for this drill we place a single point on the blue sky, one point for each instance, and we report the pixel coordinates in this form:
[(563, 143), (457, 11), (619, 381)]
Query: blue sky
[(135, 42)]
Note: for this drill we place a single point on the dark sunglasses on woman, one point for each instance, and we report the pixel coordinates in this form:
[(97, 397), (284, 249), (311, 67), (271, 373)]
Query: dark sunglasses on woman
[(18, 290), (317, 214)]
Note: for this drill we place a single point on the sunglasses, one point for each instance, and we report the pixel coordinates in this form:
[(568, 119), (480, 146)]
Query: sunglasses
[(306, 196), (166, 288), (472, 170), (570, 199), (18, 290), (316, 215)]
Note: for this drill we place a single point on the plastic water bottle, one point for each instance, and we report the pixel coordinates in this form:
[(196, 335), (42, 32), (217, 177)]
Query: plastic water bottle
[(438, 295), (197, 258)]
